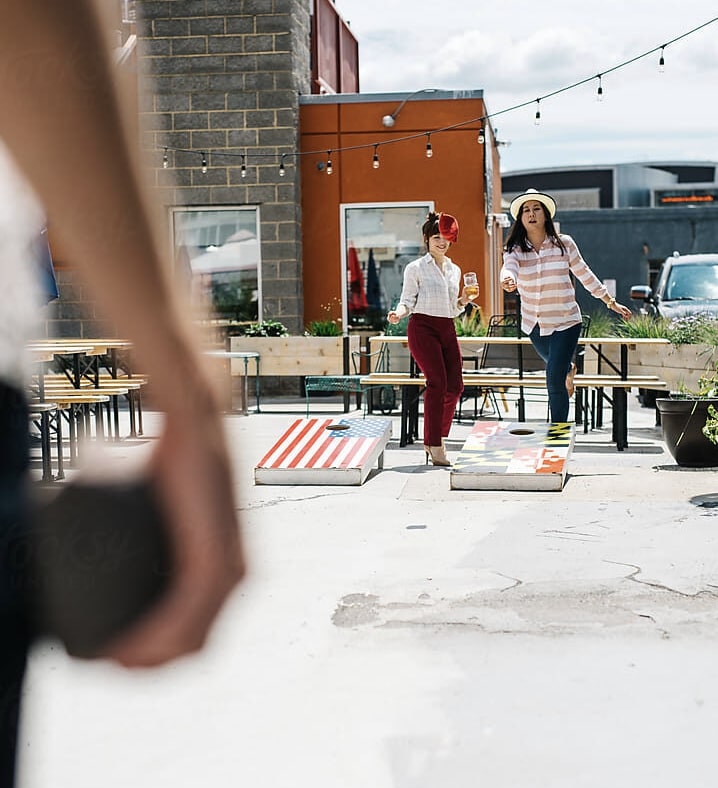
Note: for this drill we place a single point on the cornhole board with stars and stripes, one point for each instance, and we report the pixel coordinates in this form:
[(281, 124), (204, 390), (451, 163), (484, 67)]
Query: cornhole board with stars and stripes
[(499, 455), (325, 451)]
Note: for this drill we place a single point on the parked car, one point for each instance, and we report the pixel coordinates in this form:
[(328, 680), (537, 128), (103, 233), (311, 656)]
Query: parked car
[(687, 284)]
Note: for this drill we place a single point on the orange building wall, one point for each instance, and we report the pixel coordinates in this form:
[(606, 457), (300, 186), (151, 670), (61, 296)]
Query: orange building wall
[(453, 178)]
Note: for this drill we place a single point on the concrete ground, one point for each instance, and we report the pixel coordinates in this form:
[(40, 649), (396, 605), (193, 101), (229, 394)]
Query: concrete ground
[(403, 635)]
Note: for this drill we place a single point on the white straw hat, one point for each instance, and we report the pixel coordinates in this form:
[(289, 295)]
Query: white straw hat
[(532, 194)]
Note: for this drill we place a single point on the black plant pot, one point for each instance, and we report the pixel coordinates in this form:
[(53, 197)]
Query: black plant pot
[(682, 421)]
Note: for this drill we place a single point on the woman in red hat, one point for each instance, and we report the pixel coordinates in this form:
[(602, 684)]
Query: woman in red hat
[(430, 294), (540, 263)]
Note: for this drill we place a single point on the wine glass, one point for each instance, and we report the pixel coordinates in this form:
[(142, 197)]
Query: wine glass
[(471, 283)]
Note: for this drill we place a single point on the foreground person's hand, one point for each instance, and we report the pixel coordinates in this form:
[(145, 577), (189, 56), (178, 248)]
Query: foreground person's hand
[(192, 473)]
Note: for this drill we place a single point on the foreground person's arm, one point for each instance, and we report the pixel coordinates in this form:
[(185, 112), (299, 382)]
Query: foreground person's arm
[(63, 122)]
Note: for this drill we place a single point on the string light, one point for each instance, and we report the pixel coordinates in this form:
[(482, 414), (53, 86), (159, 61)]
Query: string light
[(429, 149), (375, 159), (482, 131), (281, 166), (537, 117)]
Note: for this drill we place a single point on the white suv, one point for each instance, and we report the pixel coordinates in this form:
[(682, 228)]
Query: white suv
[(687, 285)]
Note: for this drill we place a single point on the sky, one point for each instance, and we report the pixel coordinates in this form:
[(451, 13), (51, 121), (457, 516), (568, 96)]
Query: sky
[(520, 50)]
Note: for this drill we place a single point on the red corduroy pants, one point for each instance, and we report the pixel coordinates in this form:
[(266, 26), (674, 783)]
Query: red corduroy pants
[(433, 344)]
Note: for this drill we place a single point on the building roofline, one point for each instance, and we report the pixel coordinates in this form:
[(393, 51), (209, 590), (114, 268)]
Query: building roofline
[(647, 164), (360, 98)]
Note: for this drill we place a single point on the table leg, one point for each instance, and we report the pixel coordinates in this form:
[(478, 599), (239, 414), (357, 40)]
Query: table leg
[(45, 441), (403, 440), (521, 402), (245, 408), (620, 418), (58, 436)]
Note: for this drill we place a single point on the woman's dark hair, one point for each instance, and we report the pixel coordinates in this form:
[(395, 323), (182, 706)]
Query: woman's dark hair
[(518, 236), (430, 226)]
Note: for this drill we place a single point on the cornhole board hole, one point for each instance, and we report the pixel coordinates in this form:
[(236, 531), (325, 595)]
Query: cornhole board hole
[(325, 451), (514, 456)]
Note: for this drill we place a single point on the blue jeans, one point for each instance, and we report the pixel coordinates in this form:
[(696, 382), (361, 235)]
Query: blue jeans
[(557, 350), (14, 635)]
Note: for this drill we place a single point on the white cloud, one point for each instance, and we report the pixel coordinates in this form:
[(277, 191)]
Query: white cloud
[(516, 51)]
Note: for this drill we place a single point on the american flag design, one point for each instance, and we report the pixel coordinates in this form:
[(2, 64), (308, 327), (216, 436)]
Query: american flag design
[(324, 445)]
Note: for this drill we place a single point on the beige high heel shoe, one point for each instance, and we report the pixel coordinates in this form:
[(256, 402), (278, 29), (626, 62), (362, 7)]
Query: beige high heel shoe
[(569, 380), (438, 457)]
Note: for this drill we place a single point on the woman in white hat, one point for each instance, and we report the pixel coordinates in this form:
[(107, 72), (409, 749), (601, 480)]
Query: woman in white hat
[(538, 262)]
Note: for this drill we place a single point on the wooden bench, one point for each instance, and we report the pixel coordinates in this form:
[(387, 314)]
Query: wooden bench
[(77, 405), (43, 415), (411, 391), (128, 386)]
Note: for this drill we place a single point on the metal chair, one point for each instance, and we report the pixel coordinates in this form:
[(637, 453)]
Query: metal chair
[(382, 398)]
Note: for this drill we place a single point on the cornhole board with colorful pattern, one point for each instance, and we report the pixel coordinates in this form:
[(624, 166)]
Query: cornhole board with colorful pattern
[(499, 455), (325, 451)]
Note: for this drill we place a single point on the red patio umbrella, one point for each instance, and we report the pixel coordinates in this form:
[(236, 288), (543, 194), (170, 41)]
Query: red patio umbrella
[(357, 294)]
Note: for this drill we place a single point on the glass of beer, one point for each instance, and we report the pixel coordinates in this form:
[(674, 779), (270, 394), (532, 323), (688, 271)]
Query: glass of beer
[(471, 283)]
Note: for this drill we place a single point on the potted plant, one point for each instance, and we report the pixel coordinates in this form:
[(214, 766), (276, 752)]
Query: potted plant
[(265, 328), (689, 422), (321, 350)]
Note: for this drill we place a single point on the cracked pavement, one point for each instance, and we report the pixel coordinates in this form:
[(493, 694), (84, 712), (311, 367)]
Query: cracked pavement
[(404, 635)]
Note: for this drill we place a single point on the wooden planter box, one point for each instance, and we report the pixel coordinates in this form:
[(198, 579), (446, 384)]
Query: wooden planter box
[(678, 365), (297, 355)]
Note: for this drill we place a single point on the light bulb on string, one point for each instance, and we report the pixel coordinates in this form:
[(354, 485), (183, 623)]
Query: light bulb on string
[(481, 139), (165, 160), (243, 168), (375, 159), (330, 169), (281, 166), (537, 117), (662, 61), (429, 149), (599, 90), (204, 162)]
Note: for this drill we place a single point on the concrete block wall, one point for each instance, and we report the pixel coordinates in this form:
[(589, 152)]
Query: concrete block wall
[(223, 76), (74, 313)]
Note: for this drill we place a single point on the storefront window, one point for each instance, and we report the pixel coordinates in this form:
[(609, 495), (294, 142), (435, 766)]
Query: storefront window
[(217, 260), (379, 240)]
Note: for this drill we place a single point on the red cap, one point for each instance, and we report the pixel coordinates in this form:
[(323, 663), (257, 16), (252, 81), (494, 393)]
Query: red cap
[(448, 227)]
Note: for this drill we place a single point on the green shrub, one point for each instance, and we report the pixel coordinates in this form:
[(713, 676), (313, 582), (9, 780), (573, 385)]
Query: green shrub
[(324, 328), (693, 330), (601, 325), (470, 324), (643, 327), (328, 326)]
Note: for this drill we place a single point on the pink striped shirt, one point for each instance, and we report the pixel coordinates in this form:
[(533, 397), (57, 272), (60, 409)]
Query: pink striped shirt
[(545, 286)]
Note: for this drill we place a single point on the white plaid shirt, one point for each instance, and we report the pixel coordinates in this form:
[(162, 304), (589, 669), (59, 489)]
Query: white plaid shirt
[(545, 286), (429, 291)]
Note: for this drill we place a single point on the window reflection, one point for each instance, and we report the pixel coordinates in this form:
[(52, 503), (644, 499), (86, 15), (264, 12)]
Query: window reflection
[(380, 240), (217, 260)]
